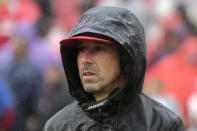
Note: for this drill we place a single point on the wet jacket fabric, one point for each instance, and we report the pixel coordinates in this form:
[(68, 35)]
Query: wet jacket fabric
[(127, 108)]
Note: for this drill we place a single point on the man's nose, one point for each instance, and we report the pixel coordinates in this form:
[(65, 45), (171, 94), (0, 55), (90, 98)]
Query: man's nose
[(86, 57)]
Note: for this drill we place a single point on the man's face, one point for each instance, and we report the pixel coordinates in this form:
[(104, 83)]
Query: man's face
[(99, 67)]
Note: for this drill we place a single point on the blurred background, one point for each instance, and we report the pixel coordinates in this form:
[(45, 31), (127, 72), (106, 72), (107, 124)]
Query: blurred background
[(32, 81)]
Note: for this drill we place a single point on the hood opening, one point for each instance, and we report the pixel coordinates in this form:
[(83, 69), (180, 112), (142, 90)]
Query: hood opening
[(69, 55)]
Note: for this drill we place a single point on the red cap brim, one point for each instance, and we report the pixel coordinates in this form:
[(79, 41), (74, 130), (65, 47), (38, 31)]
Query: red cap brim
[(71, 41)]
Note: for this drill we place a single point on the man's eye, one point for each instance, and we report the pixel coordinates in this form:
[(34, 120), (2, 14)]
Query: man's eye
[(80, 49)]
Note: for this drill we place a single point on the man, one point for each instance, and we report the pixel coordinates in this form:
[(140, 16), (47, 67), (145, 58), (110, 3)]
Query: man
[(25, 81), (104, 59)]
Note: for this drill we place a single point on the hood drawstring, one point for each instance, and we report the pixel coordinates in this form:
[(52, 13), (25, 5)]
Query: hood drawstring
[(118, 111)]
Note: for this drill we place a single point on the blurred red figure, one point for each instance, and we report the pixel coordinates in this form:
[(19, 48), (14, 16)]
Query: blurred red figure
[(178, 72)]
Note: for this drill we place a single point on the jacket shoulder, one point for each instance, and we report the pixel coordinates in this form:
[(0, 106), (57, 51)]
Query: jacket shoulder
[(63, 118), (157, 114)]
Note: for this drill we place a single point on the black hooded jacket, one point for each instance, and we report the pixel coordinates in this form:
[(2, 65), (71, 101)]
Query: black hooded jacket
[(126, 109)]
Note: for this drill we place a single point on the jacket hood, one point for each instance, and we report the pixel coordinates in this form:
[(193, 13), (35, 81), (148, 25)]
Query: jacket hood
[(118, 25)]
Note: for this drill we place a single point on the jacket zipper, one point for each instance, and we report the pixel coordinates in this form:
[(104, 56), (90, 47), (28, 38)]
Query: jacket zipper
[(100, 120)]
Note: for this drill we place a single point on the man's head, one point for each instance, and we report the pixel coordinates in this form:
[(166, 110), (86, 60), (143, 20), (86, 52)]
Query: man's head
[(20, 47), (99, 68), (121, 34)]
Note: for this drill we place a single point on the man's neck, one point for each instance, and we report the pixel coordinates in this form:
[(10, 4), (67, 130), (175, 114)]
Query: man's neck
[(100, 97)]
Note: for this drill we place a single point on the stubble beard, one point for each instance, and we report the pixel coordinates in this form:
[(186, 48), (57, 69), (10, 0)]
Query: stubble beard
[(94, 86), (98, 85)]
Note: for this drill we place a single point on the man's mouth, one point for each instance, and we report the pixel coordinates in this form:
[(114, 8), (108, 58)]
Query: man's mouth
[(88, 74)]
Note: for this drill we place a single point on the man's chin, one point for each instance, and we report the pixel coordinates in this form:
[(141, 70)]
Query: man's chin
[(91, 88)]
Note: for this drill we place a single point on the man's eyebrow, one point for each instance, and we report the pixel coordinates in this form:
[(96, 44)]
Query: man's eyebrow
[(100, 42)]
